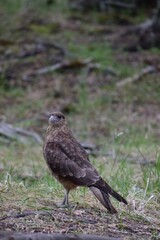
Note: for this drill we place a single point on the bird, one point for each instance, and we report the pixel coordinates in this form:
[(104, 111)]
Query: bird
[(70, 164)]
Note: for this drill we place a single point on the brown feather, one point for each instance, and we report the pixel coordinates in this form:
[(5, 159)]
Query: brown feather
[(104, 199), (69, 163)]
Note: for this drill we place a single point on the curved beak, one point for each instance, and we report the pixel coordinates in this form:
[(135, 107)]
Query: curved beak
[(53, 119)]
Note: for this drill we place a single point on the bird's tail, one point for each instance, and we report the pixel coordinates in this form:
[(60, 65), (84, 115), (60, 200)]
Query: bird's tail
[(104, 199), (102, 191)]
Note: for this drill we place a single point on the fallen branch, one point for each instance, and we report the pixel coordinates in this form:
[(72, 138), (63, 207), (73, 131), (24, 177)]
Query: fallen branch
[(6, 235), (120, 4), (146, 34), (26, 214), (41, 47), (49, 69), (58, 66), (19, 134), (137, 28), (90, 148), (61, 49), (136, 77)]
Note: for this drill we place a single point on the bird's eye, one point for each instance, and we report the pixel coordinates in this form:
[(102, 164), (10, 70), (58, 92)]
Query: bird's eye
[(60, 117)]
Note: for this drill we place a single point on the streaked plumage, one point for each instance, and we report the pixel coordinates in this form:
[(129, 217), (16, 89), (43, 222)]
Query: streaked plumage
[(69, 163)]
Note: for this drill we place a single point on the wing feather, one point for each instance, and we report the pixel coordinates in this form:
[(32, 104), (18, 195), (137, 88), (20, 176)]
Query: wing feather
[(69, 160)]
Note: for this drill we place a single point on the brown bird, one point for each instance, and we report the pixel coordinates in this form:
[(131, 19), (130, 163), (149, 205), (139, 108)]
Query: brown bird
[(69, 163)]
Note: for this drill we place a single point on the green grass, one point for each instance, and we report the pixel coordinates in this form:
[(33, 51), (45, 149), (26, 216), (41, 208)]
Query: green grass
[(99, 53), (151, 177), (16, 6), (24, 167), (27, 185)]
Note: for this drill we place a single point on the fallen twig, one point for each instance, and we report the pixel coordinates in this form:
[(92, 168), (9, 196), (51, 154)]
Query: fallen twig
[(90, 148), (40, 47), (26, 214), (13, 133), (137, 76), (120, 4), (62, 65), (137, 28), (61, 49)]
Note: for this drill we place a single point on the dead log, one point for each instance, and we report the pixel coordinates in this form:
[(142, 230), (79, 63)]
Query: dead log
[(136, 77), (26, 214), (147, 34), (40, 47), (74, 64), (14, 133), (6, 235), (100, 5), (121, 4)]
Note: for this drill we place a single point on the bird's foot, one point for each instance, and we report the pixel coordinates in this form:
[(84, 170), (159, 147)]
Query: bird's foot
[(64, 205)]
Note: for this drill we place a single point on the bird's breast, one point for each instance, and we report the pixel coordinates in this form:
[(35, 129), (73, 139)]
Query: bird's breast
[(67, 184)]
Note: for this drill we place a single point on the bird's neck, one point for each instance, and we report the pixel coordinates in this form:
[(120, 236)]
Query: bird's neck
[(55, 131)]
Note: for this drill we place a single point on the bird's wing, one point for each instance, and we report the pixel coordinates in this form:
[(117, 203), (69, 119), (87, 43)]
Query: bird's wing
[(69, 160)]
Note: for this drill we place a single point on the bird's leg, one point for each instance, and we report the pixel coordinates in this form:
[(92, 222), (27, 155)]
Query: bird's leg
[(65, 202)]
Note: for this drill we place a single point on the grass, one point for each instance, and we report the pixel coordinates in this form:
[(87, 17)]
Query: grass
[(151, 177), (26, 185), (23, 168)]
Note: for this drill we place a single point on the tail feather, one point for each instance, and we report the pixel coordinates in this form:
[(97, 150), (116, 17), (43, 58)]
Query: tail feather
[(102, 191), (104, 199), (102, 185)]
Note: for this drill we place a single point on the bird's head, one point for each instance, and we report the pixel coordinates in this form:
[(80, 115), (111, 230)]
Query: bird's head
[(56, 119)]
